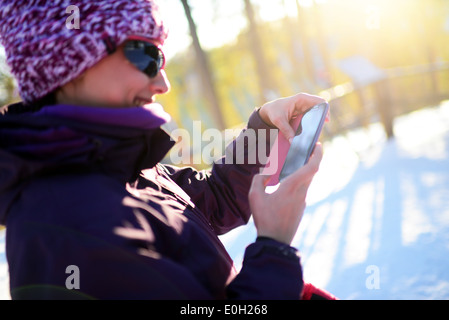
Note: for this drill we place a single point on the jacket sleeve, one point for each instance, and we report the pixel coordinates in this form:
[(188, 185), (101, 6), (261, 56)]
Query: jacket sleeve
[(221, 193), (270, 271)]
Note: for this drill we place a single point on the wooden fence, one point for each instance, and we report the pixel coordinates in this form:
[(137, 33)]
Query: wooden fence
[(402, 90)]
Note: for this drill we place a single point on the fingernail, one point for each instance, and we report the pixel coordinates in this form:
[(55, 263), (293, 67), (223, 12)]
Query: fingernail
[(290, 140)]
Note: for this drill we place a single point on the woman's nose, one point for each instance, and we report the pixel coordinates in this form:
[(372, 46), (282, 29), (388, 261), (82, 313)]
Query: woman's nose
[(160, 83)]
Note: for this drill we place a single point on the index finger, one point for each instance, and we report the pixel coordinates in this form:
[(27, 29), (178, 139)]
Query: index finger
[(306, 101), (307, 172), (316, 157)]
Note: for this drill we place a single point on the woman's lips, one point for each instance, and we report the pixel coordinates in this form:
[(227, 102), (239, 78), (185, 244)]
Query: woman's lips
[(142, 101)]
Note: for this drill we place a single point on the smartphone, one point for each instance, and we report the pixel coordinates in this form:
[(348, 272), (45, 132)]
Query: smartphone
[(306, 137)]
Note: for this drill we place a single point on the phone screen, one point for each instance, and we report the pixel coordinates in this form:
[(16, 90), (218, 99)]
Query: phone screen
[(305, 139)]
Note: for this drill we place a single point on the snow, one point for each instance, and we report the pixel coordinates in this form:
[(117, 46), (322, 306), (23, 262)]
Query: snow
[(4, 281), (377, 221)]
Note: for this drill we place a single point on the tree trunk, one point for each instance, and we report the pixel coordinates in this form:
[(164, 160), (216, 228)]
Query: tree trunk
[(322, 45), (265, 79), (305, 44), (205, 70)]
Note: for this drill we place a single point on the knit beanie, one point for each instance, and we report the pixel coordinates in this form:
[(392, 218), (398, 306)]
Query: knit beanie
[(48, 43)]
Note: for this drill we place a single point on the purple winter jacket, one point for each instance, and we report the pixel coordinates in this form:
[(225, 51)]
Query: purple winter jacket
[(84, 187)]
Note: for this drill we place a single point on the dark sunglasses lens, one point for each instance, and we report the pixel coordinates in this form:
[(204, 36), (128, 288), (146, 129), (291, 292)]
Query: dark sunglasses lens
[(151, 69), (145, 56)]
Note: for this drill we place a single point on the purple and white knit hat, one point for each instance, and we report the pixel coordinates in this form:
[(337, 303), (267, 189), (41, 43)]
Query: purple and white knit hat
[(46, 50)]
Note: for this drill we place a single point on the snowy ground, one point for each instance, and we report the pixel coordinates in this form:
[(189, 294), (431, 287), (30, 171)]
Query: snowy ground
[(377, 222), (4, 292)]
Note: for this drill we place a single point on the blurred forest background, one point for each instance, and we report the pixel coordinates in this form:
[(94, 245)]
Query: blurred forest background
[(371, 59)]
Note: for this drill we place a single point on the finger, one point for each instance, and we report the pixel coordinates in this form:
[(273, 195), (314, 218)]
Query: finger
[(306, 101), (313, 165), (306, 173), (317, 155)]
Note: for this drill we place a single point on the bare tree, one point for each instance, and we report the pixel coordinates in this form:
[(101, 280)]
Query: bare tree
[(205, 70), (266, 81), (305, 43), (322, 45)]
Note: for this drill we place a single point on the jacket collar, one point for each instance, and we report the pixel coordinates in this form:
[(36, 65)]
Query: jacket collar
[(117, 142)]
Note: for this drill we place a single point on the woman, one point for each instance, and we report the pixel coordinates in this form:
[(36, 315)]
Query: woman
[(90, 212)]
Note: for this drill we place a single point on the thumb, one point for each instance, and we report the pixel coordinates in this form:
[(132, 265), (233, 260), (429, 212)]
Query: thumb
[(258, 184), (286, 129)]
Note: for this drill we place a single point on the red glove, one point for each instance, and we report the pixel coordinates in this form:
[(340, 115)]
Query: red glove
[(310, 292)]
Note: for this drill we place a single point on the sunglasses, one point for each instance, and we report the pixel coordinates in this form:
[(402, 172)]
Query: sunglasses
[(144, 55)]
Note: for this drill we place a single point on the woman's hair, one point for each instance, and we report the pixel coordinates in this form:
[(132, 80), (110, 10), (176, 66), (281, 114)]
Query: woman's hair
[(47, 100), (21, 107)]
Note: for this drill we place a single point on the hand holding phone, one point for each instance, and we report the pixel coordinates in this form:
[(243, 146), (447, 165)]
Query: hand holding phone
[(278, 213), (286, 158)]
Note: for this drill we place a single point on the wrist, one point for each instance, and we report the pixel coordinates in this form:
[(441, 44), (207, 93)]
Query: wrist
[(282, 238)]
